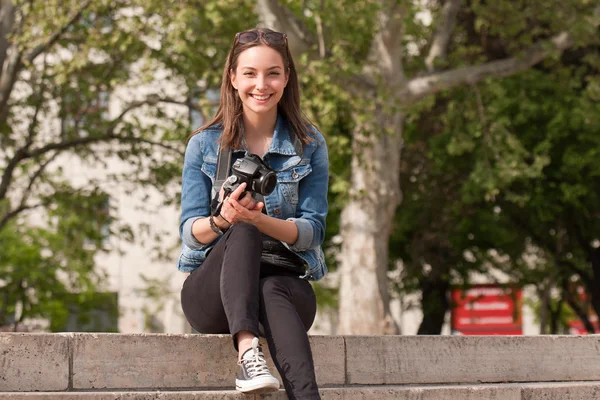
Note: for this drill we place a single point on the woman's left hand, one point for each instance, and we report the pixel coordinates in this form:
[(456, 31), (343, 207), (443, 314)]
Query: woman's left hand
[(244, 214), (247, 201)]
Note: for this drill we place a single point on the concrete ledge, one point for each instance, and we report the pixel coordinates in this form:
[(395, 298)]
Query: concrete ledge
[(562, 391), (414, 393), (146, 361), (549, 391), (453, 359), (105, 362), (34, 361)]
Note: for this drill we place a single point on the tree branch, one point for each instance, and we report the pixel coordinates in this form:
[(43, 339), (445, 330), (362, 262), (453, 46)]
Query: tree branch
[(188, 103), (417, 88), (439, 44), (61, 146), (7, 20), (319, 22), (15, 61), (22, 204), (583, 317), (276, 16), (386, 48), (484, 125), (96, 139), (8, 78), (587, 279), (546, 245), (13, 213), (38, 173), (151, 100), (40, 94), (57, 34), (21, 154), (25, 153), (7, 176)]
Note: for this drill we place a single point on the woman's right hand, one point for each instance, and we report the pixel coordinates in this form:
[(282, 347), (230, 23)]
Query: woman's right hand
[(246, 201), (232, 215)]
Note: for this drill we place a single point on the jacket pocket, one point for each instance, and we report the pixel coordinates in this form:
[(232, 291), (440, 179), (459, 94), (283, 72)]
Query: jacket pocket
[(289, 180)]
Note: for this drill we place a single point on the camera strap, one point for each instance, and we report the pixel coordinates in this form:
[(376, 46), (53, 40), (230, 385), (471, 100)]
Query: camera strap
[(223, 166)]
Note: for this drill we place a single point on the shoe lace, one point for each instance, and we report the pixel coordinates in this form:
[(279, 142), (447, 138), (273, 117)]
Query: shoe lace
[(256, 365)]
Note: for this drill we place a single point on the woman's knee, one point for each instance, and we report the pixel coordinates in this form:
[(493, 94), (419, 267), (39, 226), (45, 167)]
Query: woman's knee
[(244, 227), (245, 230), (281, 294), (201, 322), (245, 243)]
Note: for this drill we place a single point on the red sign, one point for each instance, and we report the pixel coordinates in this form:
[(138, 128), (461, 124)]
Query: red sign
[(487, 310), (576, 327)]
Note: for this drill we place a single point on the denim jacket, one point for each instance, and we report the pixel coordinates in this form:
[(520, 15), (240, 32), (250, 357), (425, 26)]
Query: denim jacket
[(300, 194)]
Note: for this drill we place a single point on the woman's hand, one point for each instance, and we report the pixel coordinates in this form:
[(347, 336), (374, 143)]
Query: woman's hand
[(246, 201), (241, 210)]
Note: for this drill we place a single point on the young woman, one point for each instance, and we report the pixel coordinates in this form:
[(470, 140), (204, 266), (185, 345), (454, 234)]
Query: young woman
[(250, 264)]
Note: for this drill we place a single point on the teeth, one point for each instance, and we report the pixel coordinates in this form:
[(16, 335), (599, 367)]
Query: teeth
[(260, 97)]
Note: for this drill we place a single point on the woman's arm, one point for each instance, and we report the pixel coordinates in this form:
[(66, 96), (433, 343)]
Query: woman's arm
[(203, 232), (195, 194), (279, 229), (194, 228), (312, 200)]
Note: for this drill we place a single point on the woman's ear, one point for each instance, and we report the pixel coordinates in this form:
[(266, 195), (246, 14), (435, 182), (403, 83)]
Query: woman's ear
[(232, 79)]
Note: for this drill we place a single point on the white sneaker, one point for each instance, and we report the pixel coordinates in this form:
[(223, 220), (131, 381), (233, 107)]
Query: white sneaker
[(254, 375)]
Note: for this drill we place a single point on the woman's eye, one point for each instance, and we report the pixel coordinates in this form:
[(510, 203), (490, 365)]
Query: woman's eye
[(274, 73), (248, 73)]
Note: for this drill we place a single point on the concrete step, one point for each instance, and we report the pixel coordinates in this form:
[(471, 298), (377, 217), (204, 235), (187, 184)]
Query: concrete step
[(106, 362), (523, 391)]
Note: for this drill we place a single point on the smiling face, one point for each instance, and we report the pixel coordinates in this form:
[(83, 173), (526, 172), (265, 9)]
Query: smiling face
[(260, 79)]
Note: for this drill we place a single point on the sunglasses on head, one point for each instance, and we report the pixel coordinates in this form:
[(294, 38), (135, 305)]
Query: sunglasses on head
[(272, 38)]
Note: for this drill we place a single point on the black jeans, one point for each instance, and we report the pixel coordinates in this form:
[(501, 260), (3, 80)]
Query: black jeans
[(232, 291)]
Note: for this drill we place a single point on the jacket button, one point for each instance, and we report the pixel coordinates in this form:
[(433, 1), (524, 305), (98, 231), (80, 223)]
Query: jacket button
[(294, 174), (277, 211)]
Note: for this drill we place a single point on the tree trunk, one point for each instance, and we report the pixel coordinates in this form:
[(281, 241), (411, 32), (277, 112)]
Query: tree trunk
[(575, 306), (434, 303), (595, 295), (544, 294), (365, 228), (555, 315)]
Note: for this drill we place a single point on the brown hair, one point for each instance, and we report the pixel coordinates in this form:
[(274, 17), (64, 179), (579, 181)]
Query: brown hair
[(230, 111)]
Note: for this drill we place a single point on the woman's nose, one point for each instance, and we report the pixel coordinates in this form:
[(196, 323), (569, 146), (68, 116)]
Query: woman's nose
[(261, 82)]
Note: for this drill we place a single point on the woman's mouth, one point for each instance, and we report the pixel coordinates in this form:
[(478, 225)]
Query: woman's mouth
[(260, 97)]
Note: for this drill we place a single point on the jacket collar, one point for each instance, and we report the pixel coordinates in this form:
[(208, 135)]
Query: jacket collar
[(282, 142)]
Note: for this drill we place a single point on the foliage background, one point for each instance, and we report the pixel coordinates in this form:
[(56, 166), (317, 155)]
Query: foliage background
[(493, 173)]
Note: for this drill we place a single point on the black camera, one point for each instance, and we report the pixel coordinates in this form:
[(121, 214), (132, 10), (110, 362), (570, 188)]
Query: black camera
[(254, 172)]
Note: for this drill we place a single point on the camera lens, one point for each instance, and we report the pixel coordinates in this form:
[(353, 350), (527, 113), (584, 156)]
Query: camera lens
[(268, 182)]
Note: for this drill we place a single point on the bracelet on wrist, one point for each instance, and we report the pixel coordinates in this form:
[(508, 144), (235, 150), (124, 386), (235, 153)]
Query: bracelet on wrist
[(224, 219), (214, 226)]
